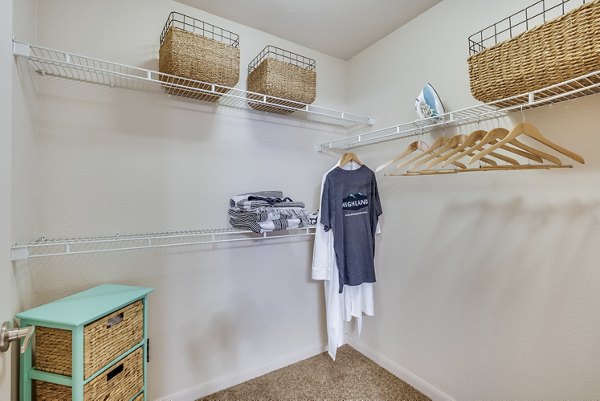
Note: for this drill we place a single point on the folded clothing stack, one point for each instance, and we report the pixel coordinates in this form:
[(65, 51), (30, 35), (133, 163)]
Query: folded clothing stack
[(265, 211)]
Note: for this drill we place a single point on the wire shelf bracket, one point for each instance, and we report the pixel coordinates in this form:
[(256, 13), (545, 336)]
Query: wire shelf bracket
[(584, 85), (73, 246), (56, 63)]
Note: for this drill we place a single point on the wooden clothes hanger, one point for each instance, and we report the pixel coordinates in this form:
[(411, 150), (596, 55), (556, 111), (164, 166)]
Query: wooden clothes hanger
[(468, 142), (452, 143), (435, 145), (477, 140), (349, 157), (460, 144), (531, 131), (416, 145), (497, 134)]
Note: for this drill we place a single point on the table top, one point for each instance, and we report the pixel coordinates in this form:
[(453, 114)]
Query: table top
[(86, 306)]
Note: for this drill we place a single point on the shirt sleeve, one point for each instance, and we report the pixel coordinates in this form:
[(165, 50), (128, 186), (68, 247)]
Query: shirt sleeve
[(377, 201), (321, 265), (326, 211)]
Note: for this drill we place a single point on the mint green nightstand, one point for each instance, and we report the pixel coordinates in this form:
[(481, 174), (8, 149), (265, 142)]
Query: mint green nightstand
[(71, 317)]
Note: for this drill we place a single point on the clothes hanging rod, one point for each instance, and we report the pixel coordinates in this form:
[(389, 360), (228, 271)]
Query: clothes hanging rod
[(73, 246), (584, 85), (61, 64), (418, 173)]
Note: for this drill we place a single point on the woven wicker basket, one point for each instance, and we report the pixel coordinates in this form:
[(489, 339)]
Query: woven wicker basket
[(104, 340), (558, 50), (196, 50), (121, 382), (293, 79)]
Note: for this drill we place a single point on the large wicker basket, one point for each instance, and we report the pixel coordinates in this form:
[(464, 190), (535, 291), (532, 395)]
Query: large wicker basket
[(560, 49), (120, 382), (286, 78), (199, 51)]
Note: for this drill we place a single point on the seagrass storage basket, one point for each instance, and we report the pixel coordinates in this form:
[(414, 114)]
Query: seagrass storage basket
[(286, 78), (199, 51), (121, 381), (560, 49), (104, 340)]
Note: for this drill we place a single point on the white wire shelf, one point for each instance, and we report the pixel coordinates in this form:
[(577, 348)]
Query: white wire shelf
[(56, 63), (588, 84), (73, 246)]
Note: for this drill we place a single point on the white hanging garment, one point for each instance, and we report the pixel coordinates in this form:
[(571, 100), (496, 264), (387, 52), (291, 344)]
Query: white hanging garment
[(354, 300)]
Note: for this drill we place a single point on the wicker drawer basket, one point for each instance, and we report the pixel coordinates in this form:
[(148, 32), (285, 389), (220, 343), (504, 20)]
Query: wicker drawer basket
[(104, 340), (200, 51), (120, 382), (287, 79), (558, 50)]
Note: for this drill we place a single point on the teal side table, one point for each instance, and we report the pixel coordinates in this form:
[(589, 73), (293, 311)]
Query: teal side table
[(73, 313)]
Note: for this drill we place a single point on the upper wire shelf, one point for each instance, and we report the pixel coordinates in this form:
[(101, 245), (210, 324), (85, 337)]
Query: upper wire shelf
[(519, 22), (584, 85), (72, 246), (56, 63)]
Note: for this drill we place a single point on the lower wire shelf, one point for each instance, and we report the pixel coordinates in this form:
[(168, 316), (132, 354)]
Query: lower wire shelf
[(72, 246)]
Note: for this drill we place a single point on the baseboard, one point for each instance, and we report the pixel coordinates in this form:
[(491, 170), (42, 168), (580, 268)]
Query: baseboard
[(213, 386), (404, 374)]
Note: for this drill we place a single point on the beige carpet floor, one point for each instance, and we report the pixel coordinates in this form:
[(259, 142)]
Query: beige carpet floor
[(352, 377)]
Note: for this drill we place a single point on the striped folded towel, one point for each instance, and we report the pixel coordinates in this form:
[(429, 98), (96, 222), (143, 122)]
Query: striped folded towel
[(262, 194), (265, 211), (269, 214), (267, 226), (253, 205)]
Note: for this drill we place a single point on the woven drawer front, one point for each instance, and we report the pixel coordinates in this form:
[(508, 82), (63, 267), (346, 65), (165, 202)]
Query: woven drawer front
[(107, 338), (283, 80), (558, 50), (44, 391), (104, 340), (139, 397), (53, 350), (119, 383)]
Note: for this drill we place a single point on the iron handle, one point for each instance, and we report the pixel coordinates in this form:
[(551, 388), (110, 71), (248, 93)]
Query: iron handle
[(8, 334)]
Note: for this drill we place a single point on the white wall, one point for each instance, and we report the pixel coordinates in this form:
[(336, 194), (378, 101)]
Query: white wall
[(6, 276), (108, 160), (24, 110), (23, 171), (489, 286)]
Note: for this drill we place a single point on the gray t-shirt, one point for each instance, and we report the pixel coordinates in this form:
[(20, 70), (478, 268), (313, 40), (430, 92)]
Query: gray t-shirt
[(351, 207)]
